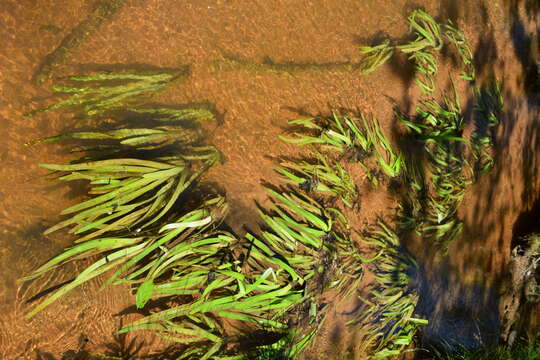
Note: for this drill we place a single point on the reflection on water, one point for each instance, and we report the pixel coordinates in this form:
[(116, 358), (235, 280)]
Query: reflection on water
[(462, 287)]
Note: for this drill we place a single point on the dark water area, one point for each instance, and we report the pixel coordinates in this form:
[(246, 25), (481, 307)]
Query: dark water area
[(311, 46)]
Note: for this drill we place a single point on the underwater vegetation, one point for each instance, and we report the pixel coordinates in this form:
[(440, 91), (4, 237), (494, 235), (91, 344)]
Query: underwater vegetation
[(355, 139), (388, 318), (429, 38), (140, 227), (148, 220), (92, 95), (438, 183), (490, 107)]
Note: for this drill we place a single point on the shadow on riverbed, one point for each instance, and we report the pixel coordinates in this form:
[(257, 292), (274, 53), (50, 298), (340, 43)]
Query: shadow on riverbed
[(461, 293)]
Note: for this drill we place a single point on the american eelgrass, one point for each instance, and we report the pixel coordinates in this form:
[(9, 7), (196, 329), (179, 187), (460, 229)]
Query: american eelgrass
[(215, 291), (285, 348), (128, 254), (461, 44), (312, 247), (422, 49), (411, 210), (128, 194), (324, 175), (440, 121), (448, 189), (429, 39), (352, 138), (388, 317), (212, 279), (375, 56), (390, 160), (427, 31), (276, 275), (426, 67), (141, 229), (439, 126), (344, 135), (195, 268), (489, 107), (93, 95), (303, 232)]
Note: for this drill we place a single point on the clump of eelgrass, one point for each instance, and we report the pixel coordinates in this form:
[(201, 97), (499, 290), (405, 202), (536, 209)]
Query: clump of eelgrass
[(427, 31), (461, 44), (126, 253), (375, 56), (130, 193), (489, 108), (412, 209), (431, 202), (277, 273), (390, 160), (388, 316), (312, 247), (284, 349), (310, 237), (250, 281), (323, 175), (423, 50), (439, 126), (343, 135), (93, 95), (354, 139), (163, 127), (198, 268)]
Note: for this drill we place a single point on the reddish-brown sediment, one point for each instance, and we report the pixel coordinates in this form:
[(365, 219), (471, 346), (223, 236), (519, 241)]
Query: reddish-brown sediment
[(255, 109)]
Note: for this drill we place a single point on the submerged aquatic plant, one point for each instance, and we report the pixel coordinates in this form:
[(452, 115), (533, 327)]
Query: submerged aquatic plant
[(299, 229), (325, 176), (129, 194), (353, 138), (93, 95), (129, 254), (439, 126), (428, 33), (286, 348), (163, 127), (411, 211), (339, 134), (426, 68), (390, 161), (375, 56), (460, 42), (389, 315), (489, 107), (215, 290)]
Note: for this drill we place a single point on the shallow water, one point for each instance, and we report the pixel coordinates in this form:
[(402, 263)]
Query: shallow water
[(462, 293)]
